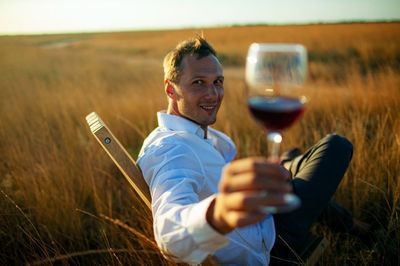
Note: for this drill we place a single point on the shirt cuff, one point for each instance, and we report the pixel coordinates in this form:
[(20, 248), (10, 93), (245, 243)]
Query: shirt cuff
[(204, 235)]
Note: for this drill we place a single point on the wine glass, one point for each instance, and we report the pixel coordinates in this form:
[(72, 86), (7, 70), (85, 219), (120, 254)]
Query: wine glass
[(274, 73)]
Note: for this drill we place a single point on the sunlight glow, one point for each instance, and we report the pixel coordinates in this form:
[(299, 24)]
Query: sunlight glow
[(49, 16)]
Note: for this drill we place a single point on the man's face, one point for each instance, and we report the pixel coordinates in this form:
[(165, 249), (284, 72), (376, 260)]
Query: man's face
[(199, 92)]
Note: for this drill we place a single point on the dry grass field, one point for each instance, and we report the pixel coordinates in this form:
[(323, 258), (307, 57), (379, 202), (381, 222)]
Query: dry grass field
[(62, 201)]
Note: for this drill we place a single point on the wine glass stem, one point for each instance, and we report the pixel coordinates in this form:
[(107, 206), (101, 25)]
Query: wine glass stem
[(274, 141)]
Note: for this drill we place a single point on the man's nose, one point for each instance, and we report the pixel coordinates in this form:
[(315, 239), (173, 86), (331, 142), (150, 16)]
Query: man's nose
[(212, 91)]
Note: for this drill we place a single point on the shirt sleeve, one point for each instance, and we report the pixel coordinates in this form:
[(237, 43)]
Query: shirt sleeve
[(175, 177)]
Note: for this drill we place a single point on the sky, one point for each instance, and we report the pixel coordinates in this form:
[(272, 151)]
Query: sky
[(64, 16)]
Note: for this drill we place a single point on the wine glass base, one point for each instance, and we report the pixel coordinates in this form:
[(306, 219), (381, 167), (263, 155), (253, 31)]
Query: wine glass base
[(292, 203)]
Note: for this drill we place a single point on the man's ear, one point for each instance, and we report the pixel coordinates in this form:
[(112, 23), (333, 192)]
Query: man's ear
[(169, 89)]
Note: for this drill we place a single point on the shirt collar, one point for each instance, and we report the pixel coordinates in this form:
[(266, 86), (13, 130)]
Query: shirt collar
[(214, 138), (178, 123)]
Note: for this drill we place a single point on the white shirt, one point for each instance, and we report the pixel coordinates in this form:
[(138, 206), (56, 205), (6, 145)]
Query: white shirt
[(183, 170)]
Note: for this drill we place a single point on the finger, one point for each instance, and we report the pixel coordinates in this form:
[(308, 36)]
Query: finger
[(241, 218), (252, 201), (292, 202), (254, 181), (259, 165)]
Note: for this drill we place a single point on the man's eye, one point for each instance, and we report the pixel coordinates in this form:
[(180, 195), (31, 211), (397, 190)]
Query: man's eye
[(219, 82), (198, 82)]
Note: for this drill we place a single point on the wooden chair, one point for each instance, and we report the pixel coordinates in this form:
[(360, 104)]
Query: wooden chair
[(312, 249), (120, 157)]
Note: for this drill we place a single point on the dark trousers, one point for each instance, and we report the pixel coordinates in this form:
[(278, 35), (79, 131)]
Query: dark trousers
[(316, 176)]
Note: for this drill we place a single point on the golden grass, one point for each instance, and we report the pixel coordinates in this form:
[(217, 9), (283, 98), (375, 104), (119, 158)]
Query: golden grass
[(62, 200)]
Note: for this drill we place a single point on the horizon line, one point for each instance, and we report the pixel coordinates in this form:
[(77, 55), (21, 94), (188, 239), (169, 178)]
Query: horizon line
[(350, 21)]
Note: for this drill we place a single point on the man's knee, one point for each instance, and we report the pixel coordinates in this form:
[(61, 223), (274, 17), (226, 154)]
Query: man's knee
[(338, 145)]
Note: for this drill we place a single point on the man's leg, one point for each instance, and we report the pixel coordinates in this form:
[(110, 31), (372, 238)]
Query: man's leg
[(317, 174)]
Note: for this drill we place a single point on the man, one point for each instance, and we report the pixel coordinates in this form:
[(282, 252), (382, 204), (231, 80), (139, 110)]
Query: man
[(204, 203)]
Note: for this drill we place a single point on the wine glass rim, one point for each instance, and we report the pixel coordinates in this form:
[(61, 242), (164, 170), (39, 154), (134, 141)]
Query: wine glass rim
[(276, 46)]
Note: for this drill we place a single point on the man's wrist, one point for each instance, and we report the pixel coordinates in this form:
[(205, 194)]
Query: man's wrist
[(215, 220)]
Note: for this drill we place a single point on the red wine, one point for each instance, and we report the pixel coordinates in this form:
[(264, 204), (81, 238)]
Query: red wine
[(276, 113)]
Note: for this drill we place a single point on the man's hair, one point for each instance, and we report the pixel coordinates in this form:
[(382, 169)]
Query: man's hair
[(173, 60)]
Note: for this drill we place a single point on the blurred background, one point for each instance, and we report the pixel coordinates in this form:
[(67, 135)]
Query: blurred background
[(63, 201)]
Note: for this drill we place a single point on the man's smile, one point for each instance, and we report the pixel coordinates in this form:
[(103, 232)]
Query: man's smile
[(209, 107)]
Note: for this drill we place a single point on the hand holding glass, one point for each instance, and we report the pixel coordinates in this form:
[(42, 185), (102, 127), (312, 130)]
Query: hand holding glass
[(274, 73)]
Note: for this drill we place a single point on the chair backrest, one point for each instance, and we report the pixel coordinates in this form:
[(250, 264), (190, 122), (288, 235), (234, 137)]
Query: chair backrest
[(120, 156)]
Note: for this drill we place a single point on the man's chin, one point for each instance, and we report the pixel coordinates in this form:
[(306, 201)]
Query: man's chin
[(208, 122), (203, 123)]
